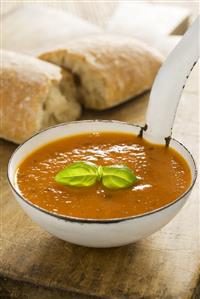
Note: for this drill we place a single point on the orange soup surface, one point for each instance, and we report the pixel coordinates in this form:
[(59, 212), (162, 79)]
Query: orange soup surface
[(163, 175)]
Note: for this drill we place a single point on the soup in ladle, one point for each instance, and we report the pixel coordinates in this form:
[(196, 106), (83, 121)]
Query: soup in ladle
[(162, 174)]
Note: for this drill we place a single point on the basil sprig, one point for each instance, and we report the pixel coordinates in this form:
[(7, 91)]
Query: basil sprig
[(85, 174)]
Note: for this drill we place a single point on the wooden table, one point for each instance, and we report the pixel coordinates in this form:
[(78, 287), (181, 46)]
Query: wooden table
[(35, 265)]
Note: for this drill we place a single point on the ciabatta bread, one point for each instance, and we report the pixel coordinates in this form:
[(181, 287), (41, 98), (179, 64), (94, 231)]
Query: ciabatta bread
[(108, 70), (34, 94)]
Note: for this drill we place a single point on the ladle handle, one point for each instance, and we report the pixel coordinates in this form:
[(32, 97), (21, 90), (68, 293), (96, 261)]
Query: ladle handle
[(168, 86)]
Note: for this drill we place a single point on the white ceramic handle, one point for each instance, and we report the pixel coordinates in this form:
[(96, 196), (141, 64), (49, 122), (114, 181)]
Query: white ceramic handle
[(168, 86)]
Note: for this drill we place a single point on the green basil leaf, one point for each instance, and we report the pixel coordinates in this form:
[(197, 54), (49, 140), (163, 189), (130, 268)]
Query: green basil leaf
[(117, 177), (78, 174)]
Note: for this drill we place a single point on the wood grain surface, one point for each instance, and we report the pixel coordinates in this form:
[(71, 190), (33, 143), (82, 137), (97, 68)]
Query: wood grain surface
[(166, 265)]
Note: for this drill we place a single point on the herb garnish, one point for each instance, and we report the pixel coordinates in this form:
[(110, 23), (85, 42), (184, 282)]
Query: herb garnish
[(85, 174)]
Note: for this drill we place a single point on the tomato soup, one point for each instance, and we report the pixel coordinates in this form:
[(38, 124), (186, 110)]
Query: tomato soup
[(162, 176)]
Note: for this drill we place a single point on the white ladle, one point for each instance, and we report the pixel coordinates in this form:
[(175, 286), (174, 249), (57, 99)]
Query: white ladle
[(164, 99), (168, 86)]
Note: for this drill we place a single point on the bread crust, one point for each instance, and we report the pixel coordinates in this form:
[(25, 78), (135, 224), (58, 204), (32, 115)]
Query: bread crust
[(112, 69), (26, 86)]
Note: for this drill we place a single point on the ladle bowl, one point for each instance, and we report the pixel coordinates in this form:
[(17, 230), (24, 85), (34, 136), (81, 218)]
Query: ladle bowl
[(91, 232)]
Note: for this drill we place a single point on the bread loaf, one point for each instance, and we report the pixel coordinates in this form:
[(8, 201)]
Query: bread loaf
[(34, 94), (108, 70)]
